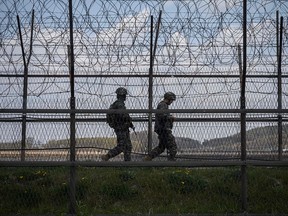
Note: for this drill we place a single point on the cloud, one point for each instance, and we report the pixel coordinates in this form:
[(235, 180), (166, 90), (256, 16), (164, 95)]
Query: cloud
[(203, 48)]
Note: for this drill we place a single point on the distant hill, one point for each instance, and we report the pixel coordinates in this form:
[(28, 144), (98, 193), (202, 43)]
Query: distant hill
[(261, 138)]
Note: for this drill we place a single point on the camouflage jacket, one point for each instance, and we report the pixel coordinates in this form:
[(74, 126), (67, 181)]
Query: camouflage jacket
[(120, 121), (163, 121)]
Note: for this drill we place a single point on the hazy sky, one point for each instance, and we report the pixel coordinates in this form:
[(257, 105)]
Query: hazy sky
[(113, 37)]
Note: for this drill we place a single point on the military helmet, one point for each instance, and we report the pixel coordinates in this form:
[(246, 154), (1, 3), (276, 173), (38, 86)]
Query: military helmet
[(121, 91), (170, 96)]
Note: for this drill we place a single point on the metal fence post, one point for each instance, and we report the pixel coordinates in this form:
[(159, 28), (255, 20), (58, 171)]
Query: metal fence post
[(25, 84), (72, 194), (279, 59), (243, 113), (152, 58), (24, 103), (150, 89)]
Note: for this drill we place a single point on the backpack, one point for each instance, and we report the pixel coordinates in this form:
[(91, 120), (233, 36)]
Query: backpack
[(111, 117)]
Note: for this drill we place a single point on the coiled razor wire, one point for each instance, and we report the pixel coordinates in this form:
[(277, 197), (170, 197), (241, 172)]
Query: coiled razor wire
[(196, 55)]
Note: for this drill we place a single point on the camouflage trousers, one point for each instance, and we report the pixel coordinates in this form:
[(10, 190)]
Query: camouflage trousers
[(123, 145), (166, 141)]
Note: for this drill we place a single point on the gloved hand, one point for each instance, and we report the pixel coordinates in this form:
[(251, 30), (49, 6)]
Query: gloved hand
[(171, 118), (133, 128)]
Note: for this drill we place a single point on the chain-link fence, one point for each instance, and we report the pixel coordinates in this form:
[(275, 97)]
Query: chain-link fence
[(62, 61)]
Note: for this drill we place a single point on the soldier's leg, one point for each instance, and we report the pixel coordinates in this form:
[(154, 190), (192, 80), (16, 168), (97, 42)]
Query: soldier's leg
[(171, 146), (128, 147), (161, 146), (121, 136)]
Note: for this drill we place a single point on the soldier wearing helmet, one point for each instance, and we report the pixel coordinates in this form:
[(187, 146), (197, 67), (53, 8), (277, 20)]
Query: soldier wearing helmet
[(121, 91), (163, 127), (120, 122), (170, 96)]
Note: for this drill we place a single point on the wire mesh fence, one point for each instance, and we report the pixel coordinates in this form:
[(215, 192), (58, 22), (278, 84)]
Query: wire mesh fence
[(198, 138), (62, 61)]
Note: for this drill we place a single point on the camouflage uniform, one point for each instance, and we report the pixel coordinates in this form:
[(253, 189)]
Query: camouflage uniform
[(163, 127), (122, 122)]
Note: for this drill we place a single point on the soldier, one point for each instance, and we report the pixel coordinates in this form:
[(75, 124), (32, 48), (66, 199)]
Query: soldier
[(120, 122), (163, 127)]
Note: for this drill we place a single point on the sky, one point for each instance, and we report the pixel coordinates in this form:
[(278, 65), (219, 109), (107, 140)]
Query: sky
[(113, 37)]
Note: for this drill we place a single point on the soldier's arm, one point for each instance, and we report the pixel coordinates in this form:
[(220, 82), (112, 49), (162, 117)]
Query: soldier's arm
[(163, 116), (125, 116)]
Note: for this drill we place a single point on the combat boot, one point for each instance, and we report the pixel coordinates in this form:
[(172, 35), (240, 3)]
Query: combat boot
[(105, 157), (147, 158), (171, 158)]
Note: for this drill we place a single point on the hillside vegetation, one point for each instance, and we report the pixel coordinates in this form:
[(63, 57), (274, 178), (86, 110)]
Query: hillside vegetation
[(261, 138)]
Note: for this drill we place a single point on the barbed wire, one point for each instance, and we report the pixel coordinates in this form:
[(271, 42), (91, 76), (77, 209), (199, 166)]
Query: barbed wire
[(113, 38)]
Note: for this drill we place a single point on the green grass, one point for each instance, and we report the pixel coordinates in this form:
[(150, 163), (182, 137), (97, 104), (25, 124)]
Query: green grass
[(142, 190)]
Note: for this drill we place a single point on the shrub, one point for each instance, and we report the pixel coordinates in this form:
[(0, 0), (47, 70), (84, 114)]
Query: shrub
[(186, 182)]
